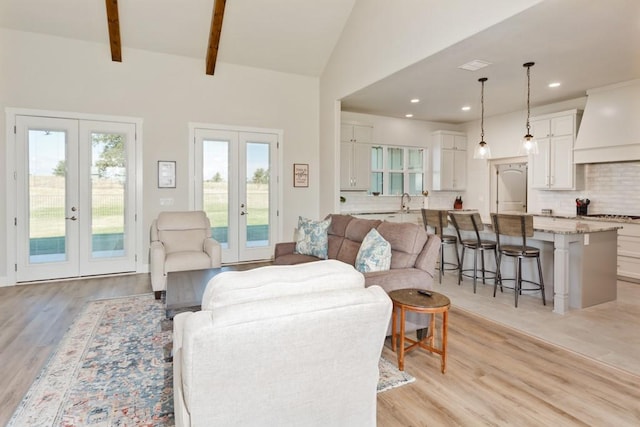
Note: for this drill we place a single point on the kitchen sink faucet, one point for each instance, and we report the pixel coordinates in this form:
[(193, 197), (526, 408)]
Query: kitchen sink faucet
[(403, 206)]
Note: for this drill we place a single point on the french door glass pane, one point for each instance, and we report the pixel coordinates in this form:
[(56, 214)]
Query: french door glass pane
[(257, 182), (415, 183), (47, 196), (396, 157), (215, 188), (396, 183), (108, 178)]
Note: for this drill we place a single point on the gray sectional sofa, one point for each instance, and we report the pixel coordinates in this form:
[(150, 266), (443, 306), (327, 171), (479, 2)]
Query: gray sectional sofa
[(414, 254)]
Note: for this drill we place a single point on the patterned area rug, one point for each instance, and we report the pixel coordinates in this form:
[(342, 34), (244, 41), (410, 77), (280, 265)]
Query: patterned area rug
[(113, 368)]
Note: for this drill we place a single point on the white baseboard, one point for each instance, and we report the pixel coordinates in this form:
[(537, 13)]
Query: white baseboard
[(4, 281)]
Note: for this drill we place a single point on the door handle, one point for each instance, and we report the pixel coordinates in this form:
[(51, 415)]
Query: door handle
[(244, 213), (72, 218)]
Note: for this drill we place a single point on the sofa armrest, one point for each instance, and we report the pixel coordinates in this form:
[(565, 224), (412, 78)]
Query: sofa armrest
[(156, 262), (213, 249), (285, 248), (428, 258)]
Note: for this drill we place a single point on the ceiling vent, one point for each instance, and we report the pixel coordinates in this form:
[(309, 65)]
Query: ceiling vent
[(474, 65)]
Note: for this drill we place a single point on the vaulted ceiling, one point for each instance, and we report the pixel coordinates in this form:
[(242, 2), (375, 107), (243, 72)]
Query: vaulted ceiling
[(293, 36), (580, 43)]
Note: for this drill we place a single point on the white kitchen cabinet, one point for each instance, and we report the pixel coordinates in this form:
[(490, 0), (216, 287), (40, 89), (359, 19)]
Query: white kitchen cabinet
[(449, 161), (629, 251), (355, 157), (553, 168)]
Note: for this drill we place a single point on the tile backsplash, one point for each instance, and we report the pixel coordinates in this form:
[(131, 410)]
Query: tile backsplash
[(612, 188)]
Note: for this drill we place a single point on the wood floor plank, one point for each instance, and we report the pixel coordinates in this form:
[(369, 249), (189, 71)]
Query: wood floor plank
[(496, 376)]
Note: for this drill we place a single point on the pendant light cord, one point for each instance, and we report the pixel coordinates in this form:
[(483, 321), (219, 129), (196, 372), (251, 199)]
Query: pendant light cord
[(482, 114), (482, 80), (528, 65)]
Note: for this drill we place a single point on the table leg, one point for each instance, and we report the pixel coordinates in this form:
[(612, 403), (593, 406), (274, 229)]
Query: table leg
[(393, 327), (445, 319), (432, 330), (401, 349)]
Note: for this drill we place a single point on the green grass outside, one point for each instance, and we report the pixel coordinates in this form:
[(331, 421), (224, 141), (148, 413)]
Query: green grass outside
[(48, 211)]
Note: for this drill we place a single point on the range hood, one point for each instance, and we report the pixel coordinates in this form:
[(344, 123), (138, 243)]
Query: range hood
[(610, 128)]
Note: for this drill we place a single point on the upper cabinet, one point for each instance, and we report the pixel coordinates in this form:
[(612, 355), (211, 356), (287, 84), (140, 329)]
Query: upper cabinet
[(553, 167), (449, 161), (355, 157)]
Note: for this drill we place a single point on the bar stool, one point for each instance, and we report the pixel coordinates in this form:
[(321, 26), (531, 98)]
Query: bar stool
[(438, 219), (472, 222), (517, 226)]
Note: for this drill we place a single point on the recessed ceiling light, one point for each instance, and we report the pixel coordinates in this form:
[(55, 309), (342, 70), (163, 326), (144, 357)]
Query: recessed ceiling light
[(466, 108), (408, 115), (554, 84), (415, 100), (474, 65)]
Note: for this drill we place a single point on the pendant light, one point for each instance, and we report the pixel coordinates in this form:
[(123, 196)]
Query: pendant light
[(529, 142), (482, 150)]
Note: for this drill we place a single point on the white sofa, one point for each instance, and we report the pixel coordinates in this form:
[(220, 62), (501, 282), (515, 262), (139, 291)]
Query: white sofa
[(281, 346), (180, 241)]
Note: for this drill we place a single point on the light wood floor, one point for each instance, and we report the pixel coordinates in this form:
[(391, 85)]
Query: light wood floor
[(495, 375)]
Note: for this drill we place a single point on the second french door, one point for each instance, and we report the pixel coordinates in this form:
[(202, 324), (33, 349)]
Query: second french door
[(75, 188), (235, 185)]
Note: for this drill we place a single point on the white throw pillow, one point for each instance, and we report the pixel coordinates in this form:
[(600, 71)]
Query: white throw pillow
[(312, 237), (374, 253)]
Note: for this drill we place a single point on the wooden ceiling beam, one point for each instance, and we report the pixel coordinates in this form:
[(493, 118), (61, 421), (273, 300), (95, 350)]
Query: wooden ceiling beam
[(113, 22), (214, 35)]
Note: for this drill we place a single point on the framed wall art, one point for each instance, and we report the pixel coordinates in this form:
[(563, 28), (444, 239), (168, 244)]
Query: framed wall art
[(166, 174), (300, 174)]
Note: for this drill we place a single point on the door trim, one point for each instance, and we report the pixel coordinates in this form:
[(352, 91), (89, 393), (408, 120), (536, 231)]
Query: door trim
[(229, 128), (10, 182)]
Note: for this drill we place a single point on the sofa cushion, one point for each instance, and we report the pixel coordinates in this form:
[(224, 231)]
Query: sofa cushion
[(339, 224), (355, 232), (239, 287), (374, 253), (312, 237), (187, 260), (183, 240), (407, 241), (336, 233)]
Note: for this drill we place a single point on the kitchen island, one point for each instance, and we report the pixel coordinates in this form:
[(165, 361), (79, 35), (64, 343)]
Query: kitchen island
[(578, 261), (584, 262)]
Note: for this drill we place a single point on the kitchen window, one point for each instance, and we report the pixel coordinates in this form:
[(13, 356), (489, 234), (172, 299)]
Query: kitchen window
[(396, 170)]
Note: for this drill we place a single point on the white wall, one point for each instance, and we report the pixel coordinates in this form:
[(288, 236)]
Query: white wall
[(167, 92), (382, 37)]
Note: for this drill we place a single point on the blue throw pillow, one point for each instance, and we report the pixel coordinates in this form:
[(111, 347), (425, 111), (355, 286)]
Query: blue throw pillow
[(312, 237), (374, 253)]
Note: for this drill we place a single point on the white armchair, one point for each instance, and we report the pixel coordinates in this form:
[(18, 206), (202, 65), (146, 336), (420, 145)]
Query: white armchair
[(180, 241), (281, 346)]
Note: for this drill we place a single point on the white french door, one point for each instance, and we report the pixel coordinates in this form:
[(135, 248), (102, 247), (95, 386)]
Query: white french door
[(75, 197), (236, 185)]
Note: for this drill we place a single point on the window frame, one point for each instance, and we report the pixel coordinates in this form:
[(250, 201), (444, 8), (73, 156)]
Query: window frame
[(406, 171)]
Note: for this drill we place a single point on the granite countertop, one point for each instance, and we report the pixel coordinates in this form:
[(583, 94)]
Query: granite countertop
[(387, 212), (591, 218), (578, 227)]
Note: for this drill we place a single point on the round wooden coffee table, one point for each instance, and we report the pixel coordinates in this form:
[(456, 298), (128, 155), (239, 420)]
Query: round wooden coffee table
[(410, 300)]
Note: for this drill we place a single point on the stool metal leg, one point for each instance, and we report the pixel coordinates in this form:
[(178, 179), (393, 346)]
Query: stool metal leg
[(544, 302), (475, 269), (461, 267)]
